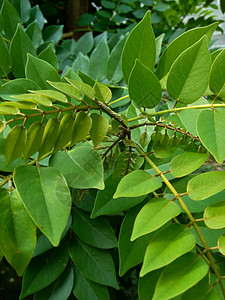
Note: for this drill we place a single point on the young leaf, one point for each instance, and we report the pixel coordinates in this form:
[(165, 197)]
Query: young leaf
[(140, 44), (180, 44), (60, 289), (8, 110), (131, 253), (153, 215), (99, 128), (95, 264), (102, 92), (143, 86), (105, 204), (39, 273), (167, 245), (50, 204), (82, 167), (85, 289), (20, 46), (221, 244), (137, 183), (214, 215), (34, 98), (100, 54), (54, 95), (210, 127), (67, 89), (81, 127), (84, 88), (34, 138), (190, 69), (180, 275), (10, 18), (186, 163), (15, 142), (40, 71), (5, 59), (205, 185), (16, 243)]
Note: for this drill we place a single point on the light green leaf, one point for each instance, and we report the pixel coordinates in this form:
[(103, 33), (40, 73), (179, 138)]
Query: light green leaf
[(40, 71), (180, 275), (34, 33), (186, 163), (154, 215), (16, 243), (82, 167), (214, 215), (102, 92), (210, 127), (105, 204), (34, 98), (85, 43), (8, 110), (99, 128), (137, 183), (67, 89), (20, 46), (81, 63), (221, 244), (85, 289), (15, 143), (94, 264), (97, 233), (143, 86), (131, 253), (180, 44), (100, 54), (217, 76), (54, 95), (53, 33), (84, 88), (10, 18), (39, 273), (50, 204), (5, 59), (190, 69), (140, 44), (16, 104), (189, 119), (81, 127), (167, 245), (114, 71), (34, 138), (49, 56), (205, 185), (60, 289), (158, 42)]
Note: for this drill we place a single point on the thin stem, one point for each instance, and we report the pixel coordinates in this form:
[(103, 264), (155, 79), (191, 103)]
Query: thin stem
[(117, 100), (4, 181), (188, 213), (111, 147)]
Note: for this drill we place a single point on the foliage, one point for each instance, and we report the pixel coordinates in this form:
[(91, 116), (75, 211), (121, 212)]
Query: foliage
[(100, 177)]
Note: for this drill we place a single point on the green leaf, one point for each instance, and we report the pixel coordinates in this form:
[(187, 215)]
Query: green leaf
[(114, 71), (54, 95), (15, 106), (50, 194), (49, 138), (100, 54), (145, 139), (81, 63), (16, 243), (44, 269), (85, 289), (99, 128), (217, 76), (10, 18), (82, 167), (67, 89), (131, 253), (180, 275), (214, 215), (143, 86), (189, 119), (97, 233), (153, 215), (205, 185), (8, 110), (140, 44), (84, 88), (15, 142), (85, 43), (159, 41), (53, 33), (105, 204), (137, 183), (49, 56), (40, 71), (210, 127), (186, 163), (189, 74), (34, 138), (102, 92), (34, 98), (221, 244), (60, 289), (146, 284), (70, 74), (180, 44), (94, 264), (23, 7), (167, 245), (20, 46), (5, 59), (81, 127), (36, 15), (34, 33)]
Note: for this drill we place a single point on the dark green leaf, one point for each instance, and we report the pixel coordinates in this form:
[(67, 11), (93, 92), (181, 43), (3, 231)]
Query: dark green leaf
[(23, 8), (34, 33), (10, 17), (53, 33), (5, 59), (49, 56)]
